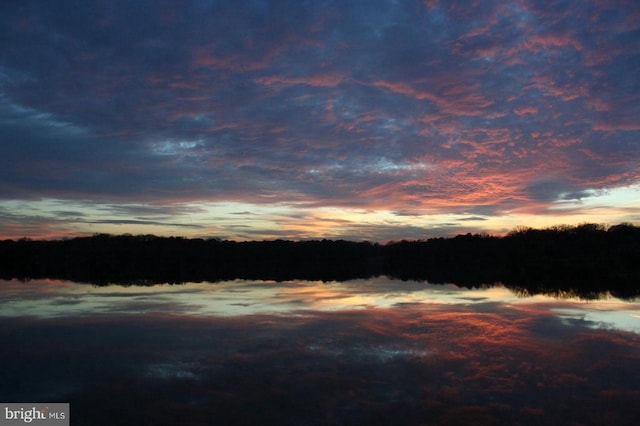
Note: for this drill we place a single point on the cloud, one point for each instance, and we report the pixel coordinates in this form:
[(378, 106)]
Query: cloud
[(473, 218), (143, 222), (314, 104)]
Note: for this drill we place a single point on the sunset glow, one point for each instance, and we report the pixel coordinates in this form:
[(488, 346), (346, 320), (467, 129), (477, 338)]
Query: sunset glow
[(360, 120)]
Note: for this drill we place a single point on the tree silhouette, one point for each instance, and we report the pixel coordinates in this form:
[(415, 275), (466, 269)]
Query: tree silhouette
[(586, 258)]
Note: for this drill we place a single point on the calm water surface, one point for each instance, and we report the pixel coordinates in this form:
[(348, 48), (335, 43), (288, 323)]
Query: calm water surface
[(376, 351)]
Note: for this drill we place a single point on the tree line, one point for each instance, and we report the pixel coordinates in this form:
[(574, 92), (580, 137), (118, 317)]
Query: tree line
[(588, 258)]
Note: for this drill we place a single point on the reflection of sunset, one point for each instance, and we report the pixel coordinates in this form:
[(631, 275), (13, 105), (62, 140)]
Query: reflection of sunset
[(252, 297), (331, 352)]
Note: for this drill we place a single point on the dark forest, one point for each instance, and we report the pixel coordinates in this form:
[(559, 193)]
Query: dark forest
[(587, 259)]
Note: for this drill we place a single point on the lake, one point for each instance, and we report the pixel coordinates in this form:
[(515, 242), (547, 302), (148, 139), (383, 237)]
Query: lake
[(371, 351)]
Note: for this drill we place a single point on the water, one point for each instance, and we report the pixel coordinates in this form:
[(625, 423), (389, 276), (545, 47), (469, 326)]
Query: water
[(376, 351)]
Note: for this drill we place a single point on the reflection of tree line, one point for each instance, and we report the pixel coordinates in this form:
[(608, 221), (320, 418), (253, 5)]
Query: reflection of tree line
[(585, 259)]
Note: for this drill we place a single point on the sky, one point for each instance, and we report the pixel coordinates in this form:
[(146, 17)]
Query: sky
[(373, 120)]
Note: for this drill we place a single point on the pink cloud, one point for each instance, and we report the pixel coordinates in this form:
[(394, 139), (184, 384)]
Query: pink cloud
[(526, 110), (567, 92), (616, 125), (538, 42), (406, 90), (206, 57), (323, 80), (453, 97)]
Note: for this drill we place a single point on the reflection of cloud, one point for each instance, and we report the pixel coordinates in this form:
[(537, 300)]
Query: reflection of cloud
[(408, 364), (51, 298), (380, 354), (168, 371)]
